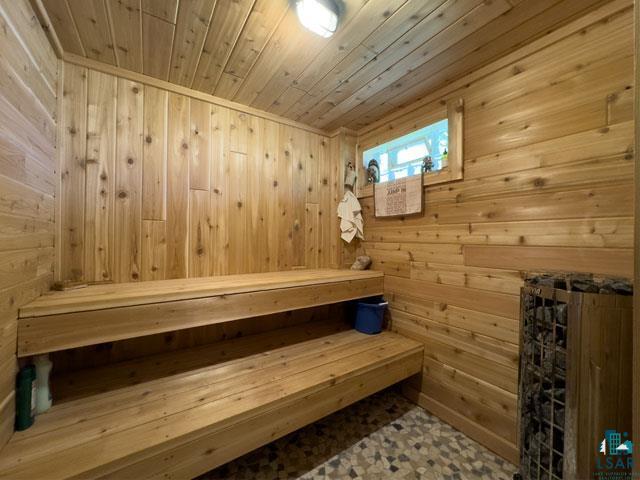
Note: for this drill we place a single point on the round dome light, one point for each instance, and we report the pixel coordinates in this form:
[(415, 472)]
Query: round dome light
[(319, 16)]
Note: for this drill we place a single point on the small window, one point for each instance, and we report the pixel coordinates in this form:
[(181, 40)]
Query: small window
[(405, 156)]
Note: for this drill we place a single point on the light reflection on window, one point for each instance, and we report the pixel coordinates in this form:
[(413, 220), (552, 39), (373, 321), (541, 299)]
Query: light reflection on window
[(413, 152), (404, 156)]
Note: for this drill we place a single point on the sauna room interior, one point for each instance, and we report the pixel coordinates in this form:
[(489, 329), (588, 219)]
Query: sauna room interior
[(318, 239)]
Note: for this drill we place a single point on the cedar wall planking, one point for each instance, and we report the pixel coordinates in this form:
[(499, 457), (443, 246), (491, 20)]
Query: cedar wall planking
[(28, 164), (548, 185), (162, 185)]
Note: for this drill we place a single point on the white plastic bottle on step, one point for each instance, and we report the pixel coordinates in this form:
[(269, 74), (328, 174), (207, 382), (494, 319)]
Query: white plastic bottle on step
[(43, 393)]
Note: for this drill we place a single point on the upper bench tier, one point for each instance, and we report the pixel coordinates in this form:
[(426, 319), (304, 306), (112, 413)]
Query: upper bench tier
[(104, 313)]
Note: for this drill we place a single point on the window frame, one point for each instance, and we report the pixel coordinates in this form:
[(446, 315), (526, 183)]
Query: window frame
[(395, 146), (453, 111)]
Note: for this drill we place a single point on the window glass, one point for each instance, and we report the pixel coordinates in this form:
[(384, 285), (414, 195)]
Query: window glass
[(405, 155)]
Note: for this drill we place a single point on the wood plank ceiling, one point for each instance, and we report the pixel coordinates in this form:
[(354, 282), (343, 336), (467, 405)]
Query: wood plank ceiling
[(386, 53)]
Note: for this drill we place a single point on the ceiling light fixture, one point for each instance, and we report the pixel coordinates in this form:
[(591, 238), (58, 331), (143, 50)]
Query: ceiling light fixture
[(319, 16)]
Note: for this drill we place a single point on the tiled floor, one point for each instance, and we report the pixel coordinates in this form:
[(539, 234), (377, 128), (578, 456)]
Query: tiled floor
[(381, 437)]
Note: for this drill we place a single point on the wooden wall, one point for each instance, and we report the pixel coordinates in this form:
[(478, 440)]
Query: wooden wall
[(158, 184), (93, 356), (636, 297), (548, 185), (28, 91)]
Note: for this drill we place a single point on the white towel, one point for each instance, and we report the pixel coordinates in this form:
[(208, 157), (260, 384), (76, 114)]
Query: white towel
[(350, 214)]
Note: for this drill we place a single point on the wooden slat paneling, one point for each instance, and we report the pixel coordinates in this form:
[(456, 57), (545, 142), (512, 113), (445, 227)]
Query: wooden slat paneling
[(178, 187), (73, 146), (30, 176), (100, 177), (154, 151), (604, 261), (129, 165), (546, 186), (200, 155)]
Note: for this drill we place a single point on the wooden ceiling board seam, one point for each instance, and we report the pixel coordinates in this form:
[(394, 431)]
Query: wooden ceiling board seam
[(482, 15), (334, 54), (353, 62), (168, 17), (227, 85), (59, 15), (125, 21), (75, 27), (286, 100), (235, 42), (204, 39), (210, 87), (257, 58), (270, 62), (97, 31), (173, 38), (415, 85), (140, 46), (112, 31), (280, 17), (415, 16), (607, 9), (241, 95), (473, 51), (298, 56), (178, 61), (301, 112), (430, 25), (395, 67), (156, 33)]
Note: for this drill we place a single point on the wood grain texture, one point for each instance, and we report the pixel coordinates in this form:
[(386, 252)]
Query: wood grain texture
[(100, 177), (30, 119), (154, 152), (262, 387), (213, 302), (180, 187), (129, 165), (73, 144), (546, 186), (636, 259), (383, 55)]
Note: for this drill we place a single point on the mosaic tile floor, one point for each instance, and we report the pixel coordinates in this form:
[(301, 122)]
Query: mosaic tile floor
[(381, 437)]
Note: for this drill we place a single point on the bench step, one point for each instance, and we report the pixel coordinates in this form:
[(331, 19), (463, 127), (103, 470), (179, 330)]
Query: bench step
[(106, 313), (178, 415)]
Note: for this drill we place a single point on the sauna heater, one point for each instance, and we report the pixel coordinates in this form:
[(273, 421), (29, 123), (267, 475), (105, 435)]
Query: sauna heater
[(575, 375)]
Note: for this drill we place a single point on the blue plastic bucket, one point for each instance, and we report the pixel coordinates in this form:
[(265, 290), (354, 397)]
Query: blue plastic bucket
[(370, 315)]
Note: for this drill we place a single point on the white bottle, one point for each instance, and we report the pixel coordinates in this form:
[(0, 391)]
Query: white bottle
[(43, 393)]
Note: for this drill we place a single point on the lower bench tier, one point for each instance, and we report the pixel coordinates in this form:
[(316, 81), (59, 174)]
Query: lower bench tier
[(181, 414)]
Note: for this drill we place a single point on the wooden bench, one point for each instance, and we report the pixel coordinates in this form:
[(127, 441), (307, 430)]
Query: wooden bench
[(103, 313), (179, 414)]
